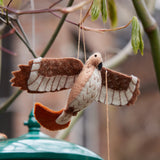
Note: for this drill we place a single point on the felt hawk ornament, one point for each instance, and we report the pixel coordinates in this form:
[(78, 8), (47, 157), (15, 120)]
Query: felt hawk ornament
[(86, 81)]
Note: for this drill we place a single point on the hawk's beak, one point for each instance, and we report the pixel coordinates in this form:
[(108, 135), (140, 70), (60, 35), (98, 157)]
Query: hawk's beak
[(100, 66)]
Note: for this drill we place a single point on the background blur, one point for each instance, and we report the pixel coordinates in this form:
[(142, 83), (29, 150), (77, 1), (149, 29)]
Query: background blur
[(134, 131)]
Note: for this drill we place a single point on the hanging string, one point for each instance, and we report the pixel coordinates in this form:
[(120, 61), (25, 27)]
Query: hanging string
[(84, 46), (33, 25), (107, 116), (83, 38), (33, 38), (79, 35)]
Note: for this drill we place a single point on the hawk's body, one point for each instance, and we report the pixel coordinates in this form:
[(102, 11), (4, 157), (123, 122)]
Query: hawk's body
[(87, 83), (84, 91)]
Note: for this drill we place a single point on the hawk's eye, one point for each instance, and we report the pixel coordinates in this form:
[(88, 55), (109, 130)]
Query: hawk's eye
[(95, 55)]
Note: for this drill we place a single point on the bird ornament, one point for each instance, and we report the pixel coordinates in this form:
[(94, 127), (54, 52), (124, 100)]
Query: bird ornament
[(86, 81)]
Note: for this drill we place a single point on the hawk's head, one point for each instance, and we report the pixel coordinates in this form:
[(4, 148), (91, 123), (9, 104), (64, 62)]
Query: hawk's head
[(95, 60)]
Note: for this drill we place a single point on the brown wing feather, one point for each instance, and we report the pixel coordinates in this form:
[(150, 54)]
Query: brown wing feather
[(21, 76), (60, 66), (115, 80), (122, 89), (47, 74)]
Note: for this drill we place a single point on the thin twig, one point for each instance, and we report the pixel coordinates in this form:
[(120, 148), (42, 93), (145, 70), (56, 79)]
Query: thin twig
[(19, 35), (36, 11), (26, 44), (55, 3), (68, 9), (22, 31), (102, 30), (99, 30), (75, 7), (86, 15), (7, 51), (6, 104), (9, 3), (68, 21), (11, 31)]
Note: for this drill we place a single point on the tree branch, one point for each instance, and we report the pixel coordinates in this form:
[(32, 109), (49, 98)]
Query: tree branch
[(6, 104), (68, 9), (24, 41)]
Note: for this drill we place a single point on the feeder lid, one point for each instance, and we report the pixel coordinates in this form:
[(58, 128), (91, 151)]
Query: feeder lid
[(36, 145)]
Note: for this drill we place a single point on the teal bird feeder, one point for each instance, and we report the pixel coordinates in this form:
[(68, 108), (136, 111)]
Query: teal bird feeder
[(36, 145)]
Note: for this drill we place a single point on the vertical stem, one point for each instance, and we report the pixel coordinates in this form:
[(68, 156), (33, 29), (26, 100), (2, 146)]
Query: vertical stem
[(152, 30), (26, 44), (6, 104), (154, 39), (56, 31), (22, 31)]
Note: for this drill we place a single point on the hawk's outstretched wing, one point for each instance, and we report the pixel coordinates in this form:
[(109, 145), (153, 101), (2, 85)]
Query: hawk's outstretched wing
[(47, 74), (122, 89)]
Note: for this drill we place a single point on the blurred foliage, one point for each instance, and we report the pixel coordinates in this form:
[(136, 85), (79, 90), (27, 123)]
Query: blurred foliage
[(112, 12), (1, 2), (104, 11), (97, 7), (95, 10)]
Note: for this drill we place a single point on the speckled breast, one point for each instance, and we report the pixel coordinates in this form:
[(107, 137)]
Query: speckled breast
[(88, 93)]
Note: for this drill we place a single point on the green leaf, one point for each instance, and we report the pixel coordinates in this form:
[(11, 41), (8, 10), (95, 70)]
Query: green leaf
[(136, 40), (135, 35), (112, 12), (104, 10), (95, 10), (1, 2)]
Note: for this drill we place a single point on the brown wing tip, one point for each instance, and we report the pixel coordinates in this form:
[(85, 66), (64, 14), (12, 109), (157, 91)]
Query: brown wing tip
[(136, 93), (21, 76)]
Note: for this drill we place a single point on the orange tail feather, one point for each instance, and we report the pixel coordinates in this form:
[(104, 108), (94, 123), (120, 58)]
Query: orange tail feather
[(47, 117)]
